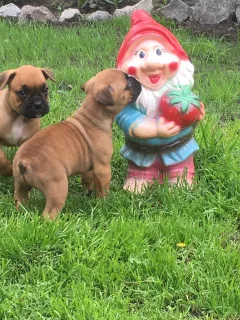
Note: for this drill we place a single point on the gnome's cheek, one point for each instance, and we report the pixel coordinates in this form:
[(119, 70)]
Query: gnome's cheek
[(130, 67), (171, 70), (132, 71), (173, 66), (134, 68)]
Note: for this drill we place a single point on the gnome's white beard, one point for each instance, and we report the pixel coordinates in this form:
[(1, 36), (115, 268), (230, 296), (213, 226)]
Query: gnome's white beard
[(148, 100)]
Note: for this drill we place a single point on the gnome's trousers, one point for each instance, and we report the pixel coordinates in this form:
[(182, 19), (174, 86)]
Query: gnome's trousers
[(160, 172)]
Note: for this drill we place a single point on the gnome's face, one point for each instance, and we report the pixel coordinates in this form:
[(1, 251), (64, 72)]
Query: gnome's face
[(152, 63)]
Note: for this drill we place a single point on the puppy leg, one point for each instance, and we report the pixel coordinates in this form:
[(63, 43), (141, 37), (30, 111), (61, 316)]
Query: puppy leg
[(102, 178), (5, 165), (55, 194), (88, 182), (21, 193)]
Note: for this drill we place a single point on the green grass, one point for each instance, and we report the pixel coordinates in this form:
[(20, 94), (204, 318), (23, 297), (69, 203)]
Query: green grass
[(118, 258)]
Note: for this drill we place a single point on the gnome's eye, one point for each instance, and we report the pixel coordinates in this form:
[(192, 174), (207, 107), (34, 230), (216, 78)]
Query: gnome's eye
[(142, 54), (158, 51)]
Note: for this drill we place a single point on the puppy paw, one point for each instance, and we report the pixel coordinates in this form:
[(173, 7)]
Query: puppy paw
[(88, 193)]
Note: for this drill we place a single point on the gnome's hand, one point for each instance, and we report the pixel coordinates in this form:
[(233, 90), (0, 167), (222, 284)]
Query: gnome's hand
[(146, 128), (167, 129), (202, 112)]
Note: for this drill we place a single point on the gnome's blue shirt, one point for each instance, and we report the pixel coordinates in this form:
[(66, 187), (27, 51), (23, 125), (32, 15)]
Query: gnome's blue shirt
[(131, 114)]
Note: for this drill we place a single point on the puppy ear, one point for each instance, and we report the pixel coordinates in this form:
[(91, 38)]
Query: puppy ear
[(105, 96), (87, 85), (6, 77), (48, 74), (83, 87)]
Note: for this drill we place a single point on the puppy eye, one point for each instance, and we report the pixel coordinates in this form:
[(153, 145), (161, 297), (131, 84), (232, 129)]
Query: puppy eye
[(129, 83), (45, 90), (22, 93)]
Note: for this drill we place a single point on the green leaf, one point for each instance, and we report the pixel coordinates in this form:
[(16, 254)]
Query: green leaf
[(185, 106), (174, 93), (109, 1), (194, 96), (186, 90), (197, 103), (176, 100)]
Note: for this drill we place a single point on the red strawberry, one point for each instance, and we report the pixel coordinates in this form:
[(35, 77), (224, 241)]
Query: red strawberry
[(181, 106)]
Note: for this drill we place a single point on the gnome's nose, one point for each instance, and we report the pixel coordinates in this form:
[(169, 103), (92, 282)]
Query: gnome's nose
[(152, 67)]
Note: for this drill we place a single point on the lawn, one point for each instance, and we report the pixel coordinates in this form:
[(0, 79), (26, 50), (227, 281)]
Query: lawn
[(119, 258)]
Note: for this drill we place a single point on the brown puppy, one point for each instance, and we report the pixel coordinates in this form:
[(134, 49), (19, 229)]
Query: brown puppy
[(82, 144), (21, 104)]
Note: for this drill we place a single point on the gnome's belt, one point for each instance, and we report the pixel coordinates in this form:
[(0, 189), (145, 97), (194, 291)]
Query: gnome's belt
[(158, 149)]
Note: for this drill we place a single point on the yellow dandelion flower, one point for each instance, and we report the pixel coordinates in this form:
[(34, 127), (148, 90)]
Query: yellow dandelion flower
[(181, 244)]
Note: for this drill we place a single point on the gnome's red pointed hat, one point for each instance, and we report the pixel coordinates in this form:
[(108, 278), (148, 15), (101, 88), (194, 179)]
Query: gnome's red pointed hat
[(143, 25)]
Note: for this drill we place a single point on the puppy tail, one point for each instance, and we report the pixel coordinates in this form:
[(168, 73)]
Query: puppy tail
[(23, 167)]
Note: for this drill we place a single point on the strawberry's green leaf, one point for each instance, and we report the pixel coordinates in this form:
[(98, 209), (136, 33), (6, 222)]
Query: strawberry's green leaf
[(186, 90), (194, 96), (183, 96), (197, 103), (184, 107), (176, 100), (174, 93)]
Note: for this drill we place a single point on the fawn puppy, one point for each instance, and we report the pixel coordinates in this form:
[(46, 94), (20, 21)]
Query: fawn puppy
[(22, 103), (82, 144)]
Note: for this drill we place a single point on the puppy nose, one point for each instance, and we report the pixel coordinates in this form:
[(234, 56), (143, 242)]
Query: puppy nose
[(37, 104)]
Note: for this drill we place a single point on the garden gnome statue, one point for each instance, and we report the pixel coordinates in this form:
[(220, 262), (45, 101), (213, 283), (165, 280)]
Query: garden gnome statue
[(158, 128)]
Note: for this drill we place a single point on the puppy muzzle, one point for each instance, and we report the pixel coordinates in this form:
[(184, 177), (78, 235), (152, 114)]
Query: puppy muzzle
[(135, 88), (35, 108)]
